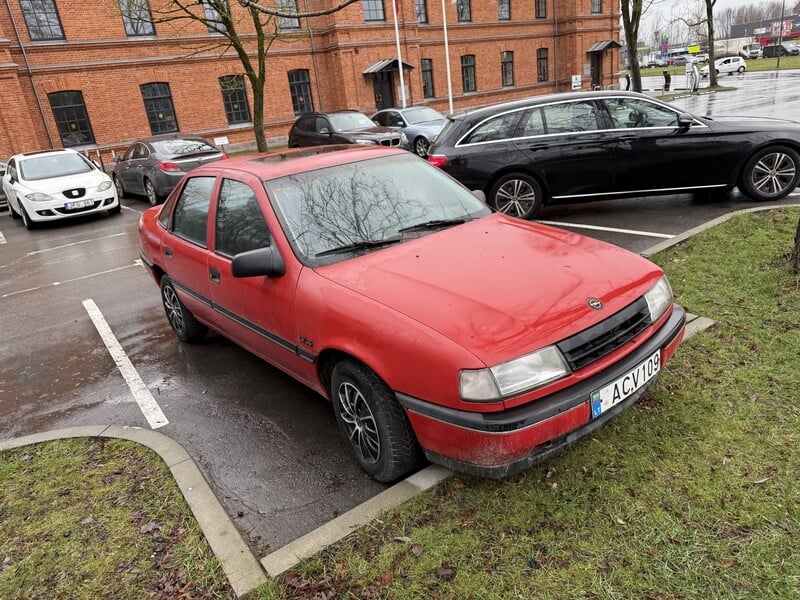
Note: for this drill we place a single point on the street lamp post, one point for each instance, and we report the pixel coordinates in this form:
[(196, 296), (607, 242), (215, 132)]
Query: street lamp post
[(780, 38)]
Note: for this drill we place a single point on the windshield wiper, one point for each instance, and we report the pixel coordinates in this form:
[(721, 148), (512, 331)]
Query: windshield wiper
[(434, 224), (364, 245)]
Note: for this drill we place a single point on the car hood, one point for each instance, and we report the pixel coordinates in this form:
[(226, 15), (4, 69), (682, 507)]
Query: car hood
[(498, 286), (751, 123), (372, 133), (428, 126), (56, 185)]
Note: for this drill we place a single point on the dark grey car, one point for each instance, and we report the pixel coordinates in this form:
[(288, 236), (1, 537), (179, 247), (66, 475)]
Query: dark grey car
[(343, 127), (421, 124), (153, 166)]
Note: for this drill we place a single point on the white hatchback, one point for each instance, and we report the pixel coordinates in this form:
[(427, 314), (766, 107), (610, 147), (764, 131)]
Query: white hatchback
[(56, 184), (727, 64)]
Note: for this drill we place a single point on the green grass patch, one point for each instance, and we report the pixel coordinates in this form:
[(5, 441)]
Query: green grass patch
[(753, 64), (99, 518), (692, 493)]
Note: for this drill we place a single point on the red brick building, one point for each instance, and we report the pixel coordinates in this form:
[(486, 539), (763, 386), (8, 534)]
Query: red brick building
[(95, 75)]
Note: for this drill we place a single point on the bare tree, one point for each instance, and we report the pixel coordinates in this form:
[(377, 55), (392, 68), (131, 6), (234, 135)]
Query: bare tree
[(794, 255), (236, 29), (631, 18)]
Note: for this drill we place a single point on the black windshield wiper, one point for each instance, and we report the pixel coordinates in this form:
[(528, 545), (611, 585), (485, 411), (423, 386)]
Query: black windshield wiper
[(365, 245), (434, 224)]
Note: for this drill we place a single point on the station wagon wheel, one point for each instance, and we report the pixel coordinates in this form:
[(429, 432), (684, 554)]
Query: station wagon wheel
[(373, 422), (421, 146), (771, 174), (150, 192), (185, 326), (118, 185), (516, 194)]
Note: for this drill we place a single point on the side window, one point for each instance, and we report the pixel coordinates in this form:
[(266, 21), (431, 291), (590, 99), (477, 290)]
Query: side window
[(129, 152), (395, 120), (498, 128), (191, 210), (632, 112), (322, 125), (240, 223), (381, 119), (570, 117), (140, 151), (533, 123)]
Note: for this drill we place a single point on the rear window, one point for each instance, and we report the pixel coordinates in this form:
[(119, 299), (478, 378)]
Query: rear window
[(183, 147)]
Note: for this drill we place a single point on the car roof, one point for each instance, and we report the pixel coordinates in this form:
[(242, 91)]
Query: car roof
[(172, 136), (26, 155), (272, 165)]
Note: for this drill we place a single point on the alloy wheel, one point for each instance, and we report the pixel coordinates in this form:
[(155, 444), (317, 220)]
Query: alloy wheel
[(173, 307), (150, 191), (359, 422), (515, 197), (421, 146), (773, 173)]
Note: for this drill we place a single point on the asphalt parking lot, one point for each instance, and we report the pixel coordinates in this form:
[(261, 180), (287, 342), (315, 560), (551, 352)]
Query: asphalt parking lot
[(269, 447)]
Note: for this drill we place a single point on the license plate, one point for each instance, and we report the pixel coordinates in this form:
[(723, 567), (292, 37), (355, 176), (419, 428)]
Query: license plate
[(626, 386), (79, 204)]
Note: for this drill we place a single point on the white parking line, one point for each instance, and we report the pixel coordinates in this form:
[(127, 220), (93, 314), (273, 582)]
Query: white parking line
[(2, 238), (611, 229), (136, 263), (105, 237), (148, 405)]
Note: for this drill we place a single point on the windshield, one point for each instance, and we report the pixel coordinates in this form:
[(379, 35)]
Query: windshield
[(183, 147), (423, 114), (57, 164), (350, 121), (365, 202)]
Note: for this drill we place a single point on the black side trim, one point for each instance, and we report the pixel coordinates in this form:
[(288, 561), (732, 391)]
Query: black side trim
[(267, 335), (147, 262), (532, 413)]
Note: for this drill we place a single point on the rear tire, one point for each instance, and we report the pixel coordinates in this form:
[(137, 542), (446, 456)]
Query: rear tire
[(150, 192), (771, 173), (516, 194), (186, 327), (373, 422), (740, 70)]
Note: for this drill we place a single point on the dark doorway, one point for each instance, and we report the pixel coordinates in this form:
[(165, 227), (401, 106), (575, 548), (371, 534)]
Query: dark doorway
[(596, 62), (382, 86)]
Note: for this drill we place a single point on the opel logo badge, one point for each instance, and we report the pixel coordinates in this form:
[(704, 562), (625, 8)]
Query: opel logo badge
[(594, 303)]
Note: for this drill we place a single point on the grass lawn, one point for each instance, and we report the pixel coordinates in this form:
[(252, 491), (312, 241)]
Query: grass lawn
[(692, 493), (757, 64)]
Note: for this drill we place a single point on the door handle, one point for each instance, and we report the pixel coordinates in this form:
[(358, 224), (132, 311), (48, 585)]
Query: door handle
[(538, 147), (168, 253), (214, 275)]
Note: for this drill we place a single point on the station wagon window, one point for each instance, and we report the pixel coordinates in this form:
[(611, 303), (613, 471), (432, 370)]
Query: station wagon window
[(498, 128), (570, 117), (136, 17), (190, 219), (240, 224), (42, 20), (636, 113), (533, 123)]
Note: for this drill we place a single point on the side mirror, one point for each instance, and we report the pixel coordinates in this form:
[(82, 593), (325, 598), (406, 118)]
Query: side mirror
[(262, 262), (117, 158), (685, 121), (479, 195)]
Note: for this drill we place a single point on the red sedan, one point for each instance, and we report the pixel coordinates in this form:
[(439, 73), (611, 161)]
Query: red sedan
[(438, 328)]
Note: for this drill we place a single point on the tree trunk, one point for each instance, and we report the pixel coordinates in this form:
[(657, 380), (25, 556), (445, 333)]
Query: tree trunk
[(794, 255)]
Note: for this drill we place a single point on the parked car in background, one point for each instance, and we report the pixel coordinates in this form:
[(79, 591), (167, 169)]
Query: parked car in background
[(152, 167), (585, 146), (420, 124), (3, 203), (342, 127), (656, 62), (783, 49), (700, 58), (56, 184), (750, 51), (437, 328), (726, 64)]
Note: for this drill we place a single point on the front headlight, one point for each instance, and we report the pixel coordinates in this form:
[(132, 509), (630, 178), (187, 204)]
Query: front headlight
[(39, 197), (403, 138), (104, 186), (512, 377), (366, 142), (659, 299)]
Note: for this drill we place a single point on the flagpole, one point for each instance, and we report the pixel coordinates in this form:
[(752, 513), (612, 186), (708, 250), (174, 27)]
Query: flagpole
[(399, 56), (447, 59)]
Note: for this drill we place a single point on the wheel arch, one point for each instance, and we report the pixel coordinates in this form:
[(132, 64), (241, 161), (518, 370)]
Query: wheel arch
[(518, 169)]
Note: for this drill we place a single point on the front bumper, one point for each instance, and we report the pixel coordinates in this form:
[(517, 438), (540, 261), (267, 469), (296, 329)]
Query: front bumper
[(496, 445), (56, 209)]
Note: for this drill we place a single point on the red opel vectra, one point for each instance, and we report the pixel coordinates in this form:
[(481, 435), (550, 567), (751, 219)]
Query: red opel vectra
[(436, 327)]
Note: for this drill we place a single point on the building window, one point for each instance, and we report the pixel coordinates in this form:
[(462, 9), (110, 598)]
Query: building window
[(541, 9), (463, 11), (468, 72), (71, 118), (234, 98), (300, 89), (427, 78), (373, 10), (597, 7), (504, 10), (507, 68), (287, 6), (213, 17), (541, 64), (136, 17), (42, 20), (159, 109), (422, 11)]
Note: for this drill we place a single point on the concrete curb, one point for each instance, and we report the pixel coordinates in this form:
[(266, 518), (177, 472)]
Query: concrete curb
[(242, 569)]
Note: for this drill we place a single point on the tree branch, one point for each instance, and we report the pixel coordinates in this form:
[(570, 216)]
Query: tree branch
[(294, 15)]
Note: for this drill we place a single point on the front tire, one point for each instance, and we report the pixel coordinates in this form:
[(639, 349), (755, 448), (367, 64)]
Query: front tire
[(186, 327), (26, 220), (421, 146), (516, 194), (150, 192), (119, 186), (373, 422), (14, 214), (771, 173)]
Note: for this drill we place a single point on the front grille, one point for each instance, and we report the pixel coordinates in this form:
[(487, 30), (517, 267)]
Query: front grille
[(74, 193), (391, 142), (599, 340)]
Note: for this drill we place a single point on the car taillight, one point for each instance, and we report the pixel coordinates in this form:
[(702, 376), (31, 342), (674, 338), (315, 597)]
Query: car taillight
[(168, 166), (437, 160)]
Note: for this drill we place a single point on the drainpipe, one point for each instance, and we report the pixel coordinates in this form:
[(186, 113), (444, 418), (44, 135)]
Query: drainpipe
[(555, 47), (30, 74), (313, 55)]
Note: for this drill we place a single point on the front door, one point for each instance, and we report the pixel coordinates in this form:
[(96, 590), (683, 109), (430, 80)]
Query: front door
[(596, 60), (382, 85)]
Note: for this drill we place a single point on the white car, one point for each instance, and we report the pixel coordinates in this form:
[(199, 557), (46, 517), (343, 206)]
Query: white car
[(727, 64), (56, 184)]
